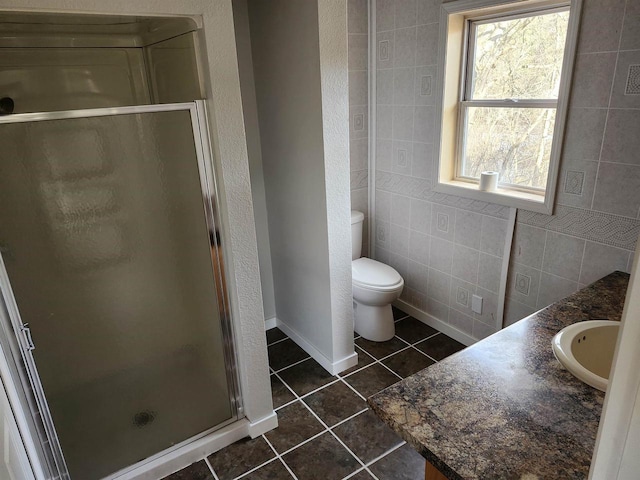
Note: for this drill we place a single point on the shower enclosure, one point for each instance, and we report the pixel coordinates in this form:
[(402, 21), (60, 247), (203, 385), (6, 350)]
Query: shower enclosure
[(111, 269)]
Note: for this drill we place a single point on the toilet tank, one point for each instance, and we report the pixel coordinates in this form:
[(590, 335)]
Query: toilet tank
[(357, 219)]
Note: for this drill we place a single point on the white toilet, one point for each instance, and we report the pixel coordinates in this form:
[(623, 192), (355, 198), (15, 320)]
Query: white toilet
[(375, 286)]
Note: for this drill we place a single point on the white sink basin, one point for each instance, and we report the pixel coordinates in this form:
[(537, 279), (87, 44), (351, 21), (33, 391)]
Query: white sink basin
[(586, 350)]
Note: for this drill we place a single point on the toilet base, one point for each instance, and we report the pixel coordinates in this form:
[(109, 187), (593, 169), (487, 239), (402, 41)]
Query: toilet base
[(374, 323)]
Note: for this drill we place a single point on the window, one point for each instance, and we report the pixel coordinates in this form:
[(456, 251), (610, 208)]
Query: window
[(505, 80)]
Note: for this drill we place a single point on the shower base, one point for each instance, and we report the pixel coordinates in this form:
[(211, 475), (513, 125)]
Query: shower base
[(122, 419)]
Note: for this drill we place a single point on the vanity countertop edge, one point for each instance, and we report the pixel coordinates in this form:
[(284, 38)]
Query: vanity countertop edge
[(505, 407)]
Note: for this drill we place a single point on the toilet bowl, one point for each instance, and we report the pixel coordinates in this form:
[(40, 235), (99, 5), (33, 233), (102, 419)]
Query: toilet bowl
[(375, 286)]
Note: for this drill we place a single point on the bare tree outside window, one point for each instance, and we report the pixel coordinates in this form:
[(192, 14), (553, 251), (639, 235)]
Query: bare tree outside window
[(510, 97)]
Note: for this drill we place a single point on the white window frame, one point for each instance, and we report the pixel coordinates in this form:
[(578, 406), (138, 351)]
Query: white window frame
[(453, 62)]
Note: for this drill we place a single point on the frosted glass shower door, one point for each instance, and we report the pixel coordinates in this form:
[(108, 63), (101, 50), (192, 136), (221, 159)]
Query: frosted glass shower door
[(108, 243)]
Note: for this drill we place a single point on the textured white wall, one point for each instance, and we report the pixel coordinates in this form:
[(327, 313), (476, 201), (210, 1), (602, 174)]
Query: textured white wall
[(332, 26), (231, 165), (301, 84), (249, 103), (284, 38)]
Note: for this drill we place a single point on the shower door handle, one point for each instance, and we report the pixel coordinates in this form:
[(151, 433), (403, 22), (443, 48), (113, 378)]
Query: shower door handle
[(26, 331)]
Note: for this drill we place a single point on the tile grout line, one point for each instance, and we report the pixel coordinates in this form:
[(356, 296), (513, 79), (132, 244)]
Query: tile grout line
[(351, 417), (308, 440), (388, 452), (341, 379), (426, 355), (278, 341), (379, 362), (606, 118), (392, 354), (292, 365), (271, 460), (298, 398), (338, 439), (215, 475), (308, 394), (285, 404), (286, 385), (353, 474), (356, 391), (330, 430), (544, 252), (293, 392), (428, 337), (279, 457), (401, 339), (357, 370), (409, 345), (327, 429), (584, 251)]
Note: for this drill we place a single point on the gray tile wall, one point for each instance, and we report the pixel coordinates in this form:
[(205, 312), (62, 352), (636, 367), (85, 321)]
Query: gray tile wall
[(358, 27), (448, 247), (596, 221)]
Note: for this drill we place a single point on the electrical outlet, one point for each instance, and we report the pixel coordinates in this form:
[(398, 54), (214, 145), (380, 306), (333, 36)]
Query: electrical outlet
[(476, 304)]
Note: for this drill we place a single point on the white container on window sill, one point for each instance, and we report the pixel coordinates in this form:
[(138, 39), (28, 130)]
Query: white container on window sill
[(488, 181)]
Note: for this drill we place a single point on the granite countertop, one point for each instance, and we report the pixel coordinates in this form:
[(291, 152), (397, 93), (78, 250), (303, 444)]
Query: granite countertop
[(505, 408)]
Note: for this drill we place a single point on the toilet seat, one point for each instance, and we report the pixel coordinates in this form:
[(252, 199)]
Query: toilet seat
[(373, 275)]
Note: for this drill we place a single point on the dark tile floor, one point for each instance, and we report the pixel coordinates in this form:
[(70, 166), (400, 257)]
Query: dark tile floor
[(325, 430)]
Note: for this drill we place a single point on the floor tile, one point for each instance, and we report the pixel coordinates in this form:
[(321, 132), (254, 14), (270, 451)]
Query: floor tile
[(413, 330), (271, 471), (361, 475), (195, 471), (240, 457), (371, 380), (295, 425), (440, 346), (275, 334), (285, 353), (401, 464), (322, 458), (367, 436), (280, 393), (408, 362), (335, 403), (397, 313), (306, 376), (363, 359), (381, 349)]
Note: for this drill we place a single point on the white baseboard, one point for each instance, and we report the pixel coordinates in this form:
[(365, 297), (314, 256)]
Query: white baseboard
[(332, 367), (270, 323), (435, 323), (263, 425), (345, 363)]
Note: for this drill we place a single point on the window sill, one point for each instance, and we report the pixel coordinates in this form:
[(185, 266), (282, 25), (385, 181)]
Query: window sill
[(502, 196)]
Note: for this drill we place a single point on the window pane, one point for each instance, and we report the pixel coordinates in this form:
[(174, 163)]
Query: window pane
[(519, 58), (513, 141)]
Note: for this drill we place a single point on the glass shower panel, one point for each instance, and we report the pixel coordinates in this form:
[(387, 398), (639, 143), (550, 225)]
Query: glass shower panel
[(104, 238)]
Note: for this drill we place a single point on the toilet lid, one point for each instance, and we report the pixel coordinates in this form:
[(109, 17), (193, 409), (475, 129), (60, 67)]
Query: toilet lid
[(370, 272)]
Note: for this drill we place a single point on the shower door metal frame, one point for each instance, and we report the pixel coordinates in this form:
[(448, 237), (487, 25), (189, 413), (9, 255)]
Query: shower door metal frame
[(209, 191)]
